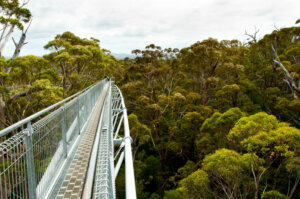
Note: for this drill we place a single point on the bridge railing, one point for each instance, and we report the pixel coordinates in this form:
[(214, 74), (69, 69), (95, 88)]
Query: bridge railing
[(32, 158)]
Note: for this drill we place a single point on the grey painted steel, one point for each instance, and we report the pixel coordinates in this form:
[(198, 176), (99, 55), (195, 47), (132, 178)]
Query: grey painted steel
[(78, 115), (105, 171), (104, 180), (111, 147), (64, 133), (78, 157), (31, 164), (118, 141), (120, 123), (38, 154), (74, 180), (32, 117), (87, 193), (117, 168), (129, 171)]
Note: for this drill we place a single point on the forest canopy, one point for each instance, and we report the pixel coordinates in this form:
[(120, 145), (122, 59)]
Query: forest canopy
[(216, 119)]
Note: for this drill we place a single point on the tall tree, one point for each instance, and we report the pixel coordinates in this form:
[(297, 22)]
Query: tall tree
[(13, 15)]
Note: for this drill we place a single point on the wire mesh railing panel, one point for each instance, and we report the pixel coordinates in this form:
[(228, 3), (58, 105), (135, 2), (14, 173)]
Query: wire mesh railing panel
[(83, 109), (80, 111), (31, 159), (13, 168), (71, 122), (47, 144)]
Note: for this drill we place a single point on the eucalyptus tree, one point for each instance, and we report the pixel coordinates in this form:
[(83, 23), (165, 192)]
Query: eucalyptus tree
[(13, 15), (74, 57), (276, 143), (201, 60)]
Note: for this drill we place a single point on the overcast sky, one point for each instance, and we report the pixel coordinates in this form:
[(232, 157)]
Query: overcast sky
[(124, 25)]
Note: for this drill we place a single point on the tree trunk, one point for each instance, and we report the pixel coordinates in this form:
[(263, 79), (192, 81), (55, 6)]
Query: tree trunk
[(64, 87), (2, 35), (6, 38), (2, 114), (295, 186), (19, 45), (288, 78), (204, 87), (276, 176)]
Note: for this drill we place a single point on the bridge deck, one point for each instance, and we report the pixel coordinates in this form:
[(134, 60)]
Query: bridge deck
[(72, 181)]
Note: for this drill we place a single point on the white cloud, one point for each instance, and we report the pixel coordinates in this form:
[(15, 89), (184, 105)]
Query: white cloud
[(124, 25)]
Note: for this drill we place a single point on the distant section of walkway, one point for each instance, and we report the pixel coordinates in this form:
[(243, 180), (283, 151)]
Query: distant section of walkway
[(72, 181)]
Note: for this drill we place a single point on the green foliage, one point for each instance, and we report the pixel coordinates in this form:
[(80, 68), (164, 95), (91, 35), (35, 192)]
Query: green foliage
[(173, 194), (188, 168), (282, 141), (274, 195), (27, 69), (42, 95), (214, 130), (13, 13), (139, 133), (195, 185), (213, 95), (75, 58), (252, 125), (225, 164), (293, 166), (265, 135), (228, 172), (212, 120), (151, 173)]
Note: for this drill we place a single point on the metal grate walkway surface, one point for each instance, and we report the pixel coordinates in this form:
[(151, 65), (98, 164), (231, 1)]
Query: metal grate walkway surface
[(73, 182), (103, 181)]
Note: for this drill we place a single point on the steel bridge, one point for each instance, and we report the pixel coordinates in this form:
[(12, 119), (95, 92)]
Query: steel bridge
[(72, 149)]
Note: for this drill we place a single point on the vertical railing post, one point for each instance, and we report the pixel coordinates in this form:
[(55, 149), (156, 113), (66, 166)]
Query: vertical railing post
[(85, 107), (64, 131), (88, 104), (94, 92), (78, 115), (91, 100), (30, 161)]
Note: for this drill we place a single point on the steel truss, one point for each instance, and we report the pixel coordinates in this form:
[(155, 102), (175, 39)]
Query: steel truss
[(104, 171)]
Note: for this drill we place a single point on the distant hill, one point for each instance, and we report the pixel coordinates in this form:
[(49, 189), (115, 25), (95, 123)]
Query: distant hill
[(122, 55)]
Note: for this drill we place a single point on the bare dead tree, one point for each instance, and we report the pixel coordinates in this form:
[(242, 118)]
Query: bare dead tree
[(275, 27), (18, 46), (287, 77), (21, 42), (252, 36), (10, 31)]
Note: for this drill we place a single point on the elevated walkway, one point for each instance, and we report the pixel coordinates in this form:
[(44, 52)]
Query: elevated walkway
[(72, 181), (69, 153)]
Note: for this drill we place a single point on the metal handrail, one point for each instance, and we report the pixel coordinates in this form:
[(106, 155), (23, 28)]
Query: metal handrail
[(34, 116), (32, 158), (129, 171)]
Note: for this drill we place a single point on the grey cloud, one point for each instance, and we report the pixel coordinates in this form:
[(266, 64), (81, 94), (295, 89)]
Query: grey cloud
[(102, 24), (123, 25), (134, 33)]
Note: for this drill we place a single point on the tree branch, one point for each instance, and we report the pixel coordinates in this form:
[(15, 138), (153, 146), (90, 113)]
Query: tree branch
[(14, 42), (254, 35), (295, 186), (288, 78), (20, 94)]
